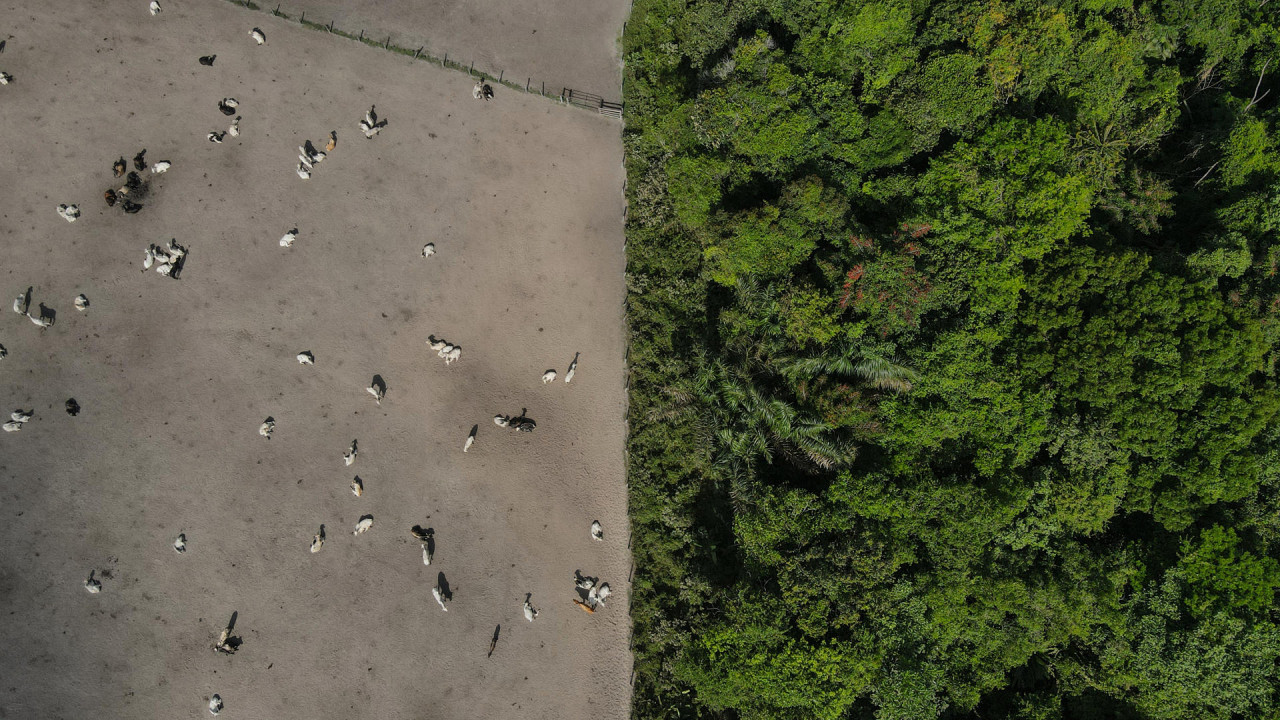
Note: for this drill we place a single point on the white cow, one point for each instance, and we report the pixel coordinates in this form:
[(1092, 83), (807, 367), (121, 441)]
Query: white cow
[(573, 367), (599, 594)]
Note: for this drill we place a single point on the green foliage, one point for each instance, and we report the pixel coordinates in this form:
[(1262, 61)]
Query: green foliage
[(809, 317), (694, 186), (762, 673), (953, 350), (954, 90), (1222, 575), (873, 46), (1220, 667), (1251, 149), (769, 241)]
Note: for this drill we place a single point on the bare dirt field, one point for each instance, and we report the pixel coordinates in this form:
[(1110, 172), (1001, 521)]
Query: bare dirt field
[(522, 199), (564, 43)]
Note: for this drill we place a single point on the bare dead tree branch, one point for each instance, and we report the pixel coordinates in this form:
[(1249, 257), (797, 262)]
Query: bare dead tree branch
[(1265, 65), (1206, 174), (1258, 87)]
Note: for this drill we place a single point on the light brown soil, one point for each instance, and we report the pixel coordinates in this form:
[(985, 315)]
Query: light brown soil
[(522, 199), (563, 43)]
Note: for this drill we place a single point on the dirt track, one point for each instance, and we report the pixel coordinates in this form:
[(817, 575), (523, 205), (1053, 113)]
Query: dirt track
[(522, 199)]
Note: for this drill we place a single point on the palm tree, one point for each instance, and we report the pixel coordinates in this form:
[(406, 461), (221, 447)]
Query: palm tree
[(746, 424), (849, 362), (746, 413)]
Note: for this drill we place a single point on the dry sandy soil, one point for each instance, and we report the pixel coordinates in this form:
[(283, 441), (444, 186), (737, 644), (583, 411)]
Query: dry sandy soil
[(522, 199), (565, 43)]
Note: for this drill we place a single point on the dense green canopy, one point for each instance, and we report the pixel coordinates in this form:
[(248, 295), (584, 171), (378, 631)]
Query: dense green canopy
[(953, 352)]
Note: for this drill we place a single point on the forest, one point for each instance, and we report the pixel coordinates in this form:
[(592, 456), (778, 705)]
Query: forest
[(952, 342)]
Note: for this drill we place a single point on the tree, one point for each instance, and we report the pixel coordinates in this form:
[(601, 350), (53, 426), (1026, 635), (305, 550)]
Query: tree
[(1221, 575)]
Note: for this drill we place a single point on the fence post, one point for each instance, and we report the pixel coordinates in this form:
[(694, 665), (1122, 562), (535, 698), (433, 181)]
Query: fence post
[(419, 51), (331, 26), (387, 45), (361, 34), (500, 72), (526, 84), (302, 20)]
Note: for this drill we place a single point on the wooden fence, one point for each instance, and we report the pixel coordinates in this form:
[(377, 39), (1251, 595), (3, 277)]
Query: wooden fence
[(577, 98)]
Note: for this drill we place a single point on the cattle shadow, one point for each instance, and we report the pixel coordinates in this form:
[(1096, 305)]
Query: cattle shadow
[(494, 642)]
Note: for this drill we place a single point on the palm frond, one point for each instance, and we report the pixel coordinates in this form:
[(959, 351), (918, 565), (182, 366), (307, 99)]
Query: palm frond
[(886, 375), (881, 373)]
